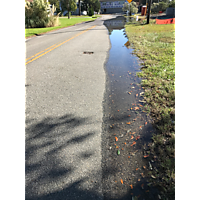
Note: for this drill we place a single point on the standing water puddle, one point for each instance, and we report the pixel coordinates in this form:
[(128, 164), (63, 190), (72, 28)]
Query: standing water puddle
[(126, 127)]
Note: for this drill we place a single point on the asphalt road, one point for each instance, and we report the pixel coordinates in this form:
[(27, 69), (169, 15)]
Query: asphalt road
[(64, 94)]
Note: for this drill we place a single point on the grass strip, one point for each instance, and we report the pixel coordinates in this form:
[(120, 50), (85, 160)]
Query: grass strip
[(64, 22), (155, 45)]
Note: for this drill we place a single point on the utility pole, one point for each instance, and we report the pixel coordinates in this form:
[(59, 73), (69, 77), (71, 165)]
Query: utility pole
[(149, 10)]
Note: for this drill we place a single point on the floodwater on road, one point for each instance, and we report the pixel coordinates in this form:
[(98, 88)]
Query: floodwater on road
[(126, 128)]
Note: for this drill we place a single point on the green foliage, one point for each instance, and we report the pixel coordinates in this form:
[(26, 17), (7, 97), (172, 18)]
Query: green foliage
[(162, 6), (39, 15), (69, 5), (154, 44), (172, 4), (55, 2), (36, 13), (130, 7), (96, 6), (91, 11)]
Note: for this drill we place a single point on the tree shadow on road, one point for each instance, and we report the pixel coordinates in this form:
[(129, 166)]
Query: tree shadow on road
[(52, 155)]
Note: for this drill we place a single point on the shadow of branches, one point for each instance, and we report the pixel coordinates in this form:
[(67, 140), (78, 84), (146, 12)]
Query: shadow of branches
[(54, 149)]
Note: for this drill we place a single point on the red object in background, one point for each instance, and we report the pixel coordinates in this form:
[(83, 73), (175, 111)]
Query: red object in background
[(160, 11), (165, 21), (144, 10)]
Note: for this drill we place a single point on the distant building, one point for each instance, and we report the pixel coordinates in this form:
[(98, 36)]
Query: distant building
[(114, 6), (111, 6)]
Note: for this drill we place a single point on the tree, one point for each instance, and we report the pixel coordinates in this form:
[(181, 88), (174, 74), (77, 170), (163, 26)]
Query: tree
[(130, 7), (96, 5), (55, 3), (69, 5), (91, 11)]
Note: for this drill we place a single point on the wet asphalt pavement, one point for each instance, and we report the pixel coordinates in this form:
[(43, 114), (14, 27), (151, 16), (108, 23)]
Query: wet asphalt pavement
[(127, 128), (85, 128)]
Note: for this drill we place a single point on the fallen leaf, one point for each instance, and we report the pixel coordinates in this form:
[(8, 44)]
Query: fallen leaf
[(138, 179), (140, 105), (128, 122), (129, 93), (136, 95), (146, 156), (133, 143), (129, 115), (117, 147), (116, 139), (136, 169), (115, 181), (118, 110), (124, 142), (140, 126), (131, 186), (137, 108), (133, 132), (128, 156), (132, 137), (122, 181), (122, 149), (138, 137), (145, 123), (142, 174), (144, 167), (118, 152)]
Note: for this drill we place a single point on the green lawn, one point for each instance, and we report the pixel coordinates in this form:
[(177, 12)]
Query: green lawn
[(64, 22), (155, 45)]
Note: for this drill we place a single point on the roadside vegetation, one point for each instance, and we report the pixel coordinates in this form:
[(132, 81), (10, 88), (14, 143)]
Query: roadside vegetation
[(40, 17), (63, 22), (155, 46)]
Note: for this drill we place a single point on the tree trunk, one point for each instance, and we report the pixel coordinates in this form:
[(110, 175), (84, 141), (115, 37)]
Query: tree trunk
[(68, 11), (68, 15), (79, 3)]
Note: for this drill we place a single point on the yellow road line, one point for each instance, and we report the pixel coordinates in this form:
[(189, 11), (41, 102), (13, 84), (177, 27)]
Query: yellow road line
[(53, 47)]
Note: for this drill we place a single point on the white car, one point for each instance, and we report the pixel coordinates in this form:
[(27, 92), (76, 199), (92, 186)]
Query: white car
[(84, 13)]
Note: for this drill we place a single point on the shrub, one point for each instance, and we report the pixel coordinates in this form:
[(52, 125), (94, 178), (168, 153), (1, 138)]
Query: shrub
[(53, 21), (131, 8), (91, 12), (36, 14), (162, 6)]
